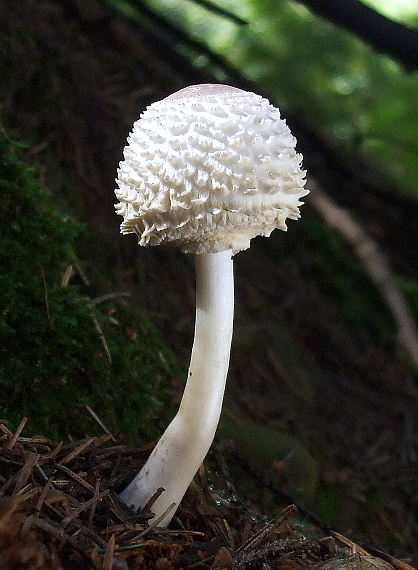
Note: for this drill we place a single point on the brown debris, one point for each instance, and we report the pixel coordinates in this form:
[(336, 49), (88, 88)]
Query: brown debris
[(20, 548), (60, 509)]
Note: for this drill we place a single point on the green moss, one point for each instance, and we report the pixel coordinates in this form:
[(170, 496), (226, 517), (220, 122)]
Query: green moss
[(58, 349), (328, 501)]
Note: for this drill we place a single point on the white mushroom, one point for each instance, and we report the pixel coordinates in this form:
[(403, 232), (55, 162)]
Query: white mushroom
[(207, 169)]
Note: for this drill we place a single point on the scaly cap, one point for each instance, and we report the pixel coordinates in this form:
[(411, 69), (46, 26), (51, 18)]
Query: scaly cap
[(207, 169)]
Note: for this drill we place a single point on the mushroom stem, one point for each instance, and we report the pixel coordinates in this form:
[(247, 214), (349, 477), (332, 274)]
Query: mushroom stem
[(185, 443)]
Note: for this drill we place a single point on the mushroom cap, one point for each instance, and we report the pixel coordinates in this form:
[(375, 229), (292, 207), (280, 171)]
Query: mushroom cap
[(207, 169)]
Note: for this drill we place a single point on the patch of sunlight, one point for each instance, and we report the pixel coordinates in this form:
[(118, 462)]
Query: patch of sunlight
[(201, 23), (403, 10)]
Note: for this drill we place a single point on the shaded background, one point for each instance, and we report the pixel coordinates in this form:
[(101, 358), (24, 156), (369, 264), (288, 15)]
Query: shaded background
[(322, 397)]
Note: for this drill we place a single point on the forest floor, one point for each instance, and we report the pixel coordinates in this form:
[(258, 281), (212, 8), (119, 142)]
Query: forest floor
[(59, 510), (321, 405)]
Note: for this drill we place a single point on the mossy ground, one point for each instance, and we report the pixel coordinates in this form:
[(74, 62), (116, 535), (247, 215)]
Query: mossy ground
[(60, 348)]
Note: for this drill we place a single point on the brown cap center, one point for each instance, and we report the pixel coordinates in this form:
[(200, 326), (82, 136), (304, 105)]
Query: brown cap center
[(204, 90)]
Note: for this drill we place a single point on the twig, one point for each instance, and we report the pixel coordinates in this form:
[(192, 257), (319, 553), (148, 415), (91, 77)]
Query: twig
[(221, 12), (94, 504), (108, 555), (68, 273), (62, 536), (18, 431), (271, 528), (5, 429), (157, 521), (109, 296), (373, 552), (54, 452), (75, 477), (42, 496), (102, 338), (65, 522), (78, 450), (99, 421), (8, 483), (48, 314), (375, 263), (355, 548), (25, 472)]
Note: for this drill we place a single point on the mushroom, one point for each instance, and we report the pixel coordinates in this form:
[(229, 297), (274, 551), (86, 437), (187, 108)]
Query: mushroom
[(206, 169)]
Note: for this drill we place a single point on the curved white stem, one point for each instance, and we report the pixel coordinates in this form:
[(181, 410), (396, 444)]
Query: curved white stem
[(185, 443)]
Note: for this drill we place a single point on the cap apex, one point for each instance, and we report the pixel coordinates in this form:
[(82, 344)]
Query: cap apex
[(205, 90)]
